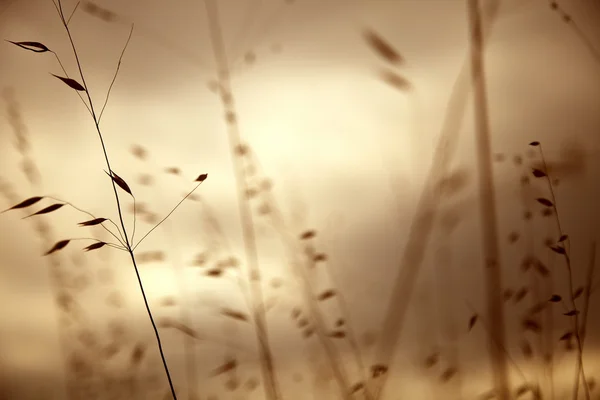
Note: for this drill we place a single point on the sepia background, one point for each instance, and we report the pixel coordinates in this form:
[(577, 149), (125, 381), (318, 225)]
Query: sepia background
[(330, 147)]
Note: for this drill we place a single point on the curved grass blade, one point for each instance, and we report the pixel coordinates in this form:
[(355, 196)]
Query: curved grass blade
[(120, 182), (382, 47), (555, 298), (395, 80), (58, 246), (228, 366), (326, 295), (36, 47), (544, 202), (25, 203), (240, 316), (47, 210), (96, 221), (94, 246), (308, 235), (472, 321), (72, 83)]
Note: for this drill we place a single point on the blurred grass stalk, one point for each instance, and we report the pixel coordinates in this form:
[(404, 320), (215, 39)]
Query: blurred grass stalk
[(491, 253), (271, 385), (56, 272), (564, 247), (115, 180), (423, 221), (584, 320)]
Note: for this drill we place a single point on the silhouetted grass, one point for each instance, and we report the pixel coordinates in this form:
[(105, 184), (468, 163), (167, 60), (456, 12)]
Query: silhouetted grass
[(310, 264), (126, 242)]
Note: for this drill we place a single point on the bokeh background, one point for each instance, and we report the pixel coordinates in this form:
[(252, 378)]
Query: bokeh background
[(341, 151)]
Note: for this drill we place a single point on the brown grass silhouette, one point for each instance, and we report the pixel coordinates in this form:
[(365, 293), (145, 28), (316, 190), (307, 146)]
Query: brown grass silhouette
[(88, 351)]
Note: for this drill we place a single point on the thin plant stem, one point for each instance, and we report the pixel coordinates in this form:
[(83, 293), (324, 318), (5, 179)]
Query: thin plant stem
[(300, 271), (500, 346), (115, 77), (128, 245), (67, 75), (217, 232), (271, 386), (185, 315), (121, 241), (423, 223), (536, 297), (549, 323), (96, 240), (568, 19), (320, 325), (350, 332), (73, 12), (567, 258), (187, 319), (167, 216), (445, 282), (585, 311)]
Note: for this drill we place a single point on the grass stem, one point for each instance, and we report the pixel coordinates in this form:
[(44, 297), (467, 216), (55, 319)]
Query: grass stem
[(104, 150), (491, 252), (271, 386)]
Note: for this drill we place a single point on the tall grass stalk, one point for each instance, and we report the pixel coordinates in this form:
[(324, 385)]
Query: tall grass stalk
[(549, 323), (491, 252), (114, 186), (536, 288), (444, 286), (423, 220), (539, 292), (301, 272), (350, 332), (301, 265), (271, 386), (567, 256), (186, 317), (589, 279), (115, 180)]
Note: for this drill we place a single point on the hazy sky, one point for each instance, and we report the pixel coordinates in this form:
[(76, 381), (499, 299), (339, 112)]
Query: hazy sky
[(347, 156)]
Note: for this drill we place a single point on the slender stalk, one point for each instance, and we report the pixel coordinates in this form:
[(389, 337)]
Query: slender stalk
[(188, 341), (501, 347), (350, 332), (568, 19), (423, 223), (491, 253), (271, 386), (300, 270), (320, 325), (570, 275), (128, 245), (550, 358), (445, 286), (536, 288), (584, 315), (184, 314)]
